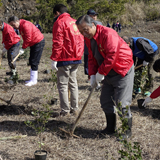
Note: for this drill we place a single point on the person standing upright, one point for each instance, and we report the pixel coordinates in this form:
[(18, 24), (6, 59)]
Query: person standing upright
[(33, 38), (67, 51)]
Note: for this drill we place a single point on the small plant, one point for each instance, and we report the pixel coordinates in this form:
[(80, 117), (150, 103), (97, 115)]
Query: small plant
[(53, 77), (131, 151), (41, 118)]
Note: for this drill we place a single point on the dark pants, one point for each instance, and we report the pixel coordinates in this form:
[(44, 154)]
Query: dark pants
[(86, 64), (35, 54), (11, 54)]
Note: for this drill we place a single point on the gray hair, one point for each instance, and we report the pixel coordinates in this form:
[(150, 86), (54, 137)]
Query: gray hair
[(13, 18), (87, 19)]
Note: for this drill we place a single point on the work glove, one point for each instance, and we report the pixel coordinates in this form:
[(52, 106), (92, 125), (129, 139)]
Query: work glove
[(4, 50), (21, 51), (145, 63), (147, 100), (99, 77), (93, 80), (54, 65)]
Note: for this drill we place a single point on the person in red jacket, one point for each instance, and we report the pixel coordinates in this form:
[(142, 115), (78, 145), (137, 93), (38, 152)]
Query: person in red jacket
[(110, 61), (67, 51), (156, 92), (33, 38), (10, 41)]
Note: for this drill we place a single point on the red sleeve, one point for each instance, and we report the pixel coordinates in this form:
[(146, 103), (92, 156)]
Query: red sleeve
[(27, 33), (58, 38), (155, 93), (111, 46)]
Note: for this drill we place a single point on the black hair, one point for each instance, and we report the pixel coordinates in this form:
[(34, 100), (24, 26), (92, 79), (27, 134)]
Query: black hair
[(87, 19), (13, 18), (60, 8), (156, 65)]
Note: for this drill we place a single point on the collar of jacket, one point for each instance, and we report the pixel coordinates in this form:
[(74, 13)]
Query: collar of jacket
[(97, 32), (63, 15)]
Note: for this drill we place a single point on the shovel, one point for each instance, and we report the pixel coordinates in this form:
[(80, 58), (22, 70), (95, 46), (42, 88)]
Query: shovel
[(8, 102), (71, 132), (138, 66)]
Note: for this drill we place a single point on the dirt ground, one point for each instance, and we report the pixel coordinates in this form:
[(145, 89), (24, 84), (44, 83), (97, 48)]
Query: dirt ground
[(146, 123)]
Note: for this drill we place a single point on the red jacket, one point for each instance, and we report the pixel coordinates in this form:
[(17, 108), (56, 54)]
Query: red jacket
[(30, 33), (68, 43), (9, 36), (115, 51), (155, 93)]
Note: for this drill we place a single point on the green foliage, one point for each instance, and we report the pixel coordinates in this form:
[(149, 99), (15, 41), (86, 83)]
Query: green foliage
[(53, 77), (130, 150), (140, 79), (39, 123), (152, 13)]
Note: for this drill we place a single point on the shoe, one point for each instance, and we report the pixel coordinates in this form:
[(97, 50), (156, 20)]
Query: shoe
[(138, 90), (74, 112), (33, 78), (63, 113)]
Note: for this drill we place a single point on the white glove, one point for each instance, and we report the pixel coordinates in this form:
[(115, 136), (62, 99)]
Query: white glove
[(54, 65), (4, 50), (3, 45), (99, 77), (21, 51), (145, 63), (147, 100), (93, 81)]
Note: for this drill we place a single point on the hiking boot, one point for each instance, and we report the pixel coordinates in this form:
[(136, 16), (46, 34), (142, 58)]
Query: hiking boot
[(111, 124), (63, 113)]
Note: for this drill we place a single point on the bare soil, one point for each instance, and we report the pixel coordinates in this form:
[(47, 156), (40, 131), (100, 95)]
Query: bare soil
[(146, 123)]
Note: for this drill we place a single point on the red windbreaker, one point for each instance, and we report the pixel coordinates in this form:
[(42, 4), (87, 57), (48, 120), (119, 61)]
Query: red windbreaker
[(30, 33), (68, 43), (115, 51), (155, 93), (9, 36)]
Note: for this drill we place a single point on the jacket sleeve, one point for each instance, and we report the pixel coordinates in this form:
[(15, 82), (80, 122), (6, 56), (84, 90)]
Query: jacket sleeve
[(110, 48), (144, 45), (155, 93), (27, 31), (57, 40)]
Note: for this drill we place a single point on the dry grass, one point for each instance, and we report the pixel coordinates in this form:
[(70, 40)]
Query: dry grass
[(146, 127)]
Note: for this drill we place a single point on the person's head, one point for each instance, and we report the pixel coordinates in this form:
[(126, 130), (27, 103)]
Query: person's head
[(14, 22), (127, 40), (86, 26), (59, 9), (156, 65), (92, 14)]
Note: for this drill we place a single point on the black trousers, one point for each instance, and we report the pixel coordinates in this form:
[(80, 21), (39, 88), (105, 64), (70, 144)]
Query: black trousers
[(35, 54), (11, 54)]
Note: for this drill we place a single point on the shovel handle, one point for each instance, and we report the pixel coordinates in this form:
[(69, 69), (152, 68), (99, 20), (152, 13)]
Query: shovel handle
[(15, 58), (81, 112), (138, 66)]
